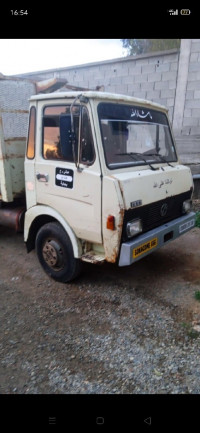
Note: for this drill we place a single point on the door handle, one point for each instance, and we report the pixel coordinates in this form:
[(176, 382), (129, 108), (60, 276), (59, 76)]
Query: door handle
[(42, 177)]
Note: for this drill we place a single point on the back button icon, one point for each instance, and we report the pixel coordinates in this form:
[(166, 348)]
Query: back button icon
[(148, 421)]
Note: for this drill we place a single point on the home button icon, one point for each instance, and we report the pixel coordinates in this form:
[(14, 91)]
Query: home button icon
[(100, 420)]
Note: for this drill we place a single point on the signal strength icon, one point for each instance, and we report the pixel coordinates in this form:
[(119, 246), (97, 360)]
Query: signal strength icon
[(173, 12)]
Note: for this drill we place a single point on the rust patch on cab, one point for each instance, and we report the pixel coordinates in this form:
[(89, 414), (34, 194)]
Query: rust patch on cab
[(114, 239)]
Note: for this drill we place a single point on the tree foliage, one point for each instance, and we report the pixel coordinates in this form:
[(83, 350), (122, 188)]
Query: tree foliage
[(140, 46)]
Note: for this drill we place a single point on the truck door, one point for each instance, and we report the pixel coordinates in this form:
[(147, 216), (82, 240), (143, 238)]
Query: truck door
[(73, 193)]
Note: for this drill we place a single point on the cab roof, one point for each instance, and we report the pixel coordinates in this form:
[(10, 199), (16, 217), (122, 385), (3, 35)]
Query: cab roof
[(103, 96)]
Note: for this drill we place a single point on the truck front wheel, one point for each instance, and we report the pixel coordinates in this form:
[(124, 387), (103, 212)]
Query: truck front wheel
[(55, 253)]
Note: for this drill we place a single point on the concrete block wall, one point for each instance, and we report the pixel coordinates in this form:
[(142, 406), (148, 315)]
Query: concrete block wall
[(171, 78), (150, 76), (191, 118)]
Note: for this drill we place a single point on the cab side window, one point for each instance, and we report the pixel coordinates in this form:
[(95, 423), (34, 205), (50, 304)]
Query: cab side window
[(87, 145), (55, 130), (52, 148), (30, 153)]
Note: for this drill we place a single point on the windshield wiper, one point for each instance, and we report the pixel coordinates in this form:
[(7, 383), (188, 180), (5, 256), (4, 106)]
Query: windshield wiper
[(132, 154), (161, 157)]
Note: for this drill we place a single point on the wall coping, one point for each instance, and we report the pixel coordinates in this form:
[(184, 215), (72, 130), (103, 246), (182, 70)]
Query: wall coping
[(103, 62)]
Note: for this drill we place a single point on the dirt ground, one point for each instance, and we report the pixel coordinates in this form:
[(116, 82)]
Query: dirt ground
[(50, 331)]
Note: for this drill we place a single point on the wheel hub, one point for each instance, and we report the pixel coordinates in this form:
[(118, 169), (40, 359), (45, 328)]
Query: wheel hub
[(53, 254)]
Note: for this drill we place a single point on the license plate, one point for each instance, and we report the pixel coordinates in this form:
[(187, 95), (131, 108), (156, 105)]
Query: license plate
[(186, 226), (144, 248)]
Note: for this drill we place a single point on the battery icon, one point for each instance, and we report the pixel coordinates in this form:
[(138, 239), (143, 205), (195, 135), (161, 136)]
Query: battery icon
[(185, 11)]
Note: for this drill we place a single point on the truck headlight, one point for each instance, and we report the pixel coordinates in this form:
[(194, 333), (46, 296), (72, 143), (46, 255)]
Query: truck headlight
[(133, 228), (187, 204)]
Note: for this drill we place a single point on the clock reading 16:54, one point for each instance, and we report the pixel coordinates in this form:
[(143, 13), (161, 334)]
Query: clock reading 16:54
[(21, 12)]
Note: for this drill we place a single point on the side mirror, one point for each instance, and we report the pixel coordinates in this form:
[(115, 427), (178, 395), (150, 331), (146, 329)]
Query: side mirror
[(66, 137)]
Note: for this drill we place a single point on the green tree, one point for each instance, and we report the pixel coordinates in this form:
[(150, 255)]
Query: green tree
[(140, 46)]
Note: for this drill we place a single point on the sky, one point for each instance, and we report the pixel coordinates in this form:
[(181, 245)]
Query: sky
[(20, 56)]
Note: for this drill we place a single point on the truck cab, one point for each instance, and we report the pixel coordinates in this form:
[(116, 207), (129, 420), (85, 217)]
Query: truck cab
[(102, 180)]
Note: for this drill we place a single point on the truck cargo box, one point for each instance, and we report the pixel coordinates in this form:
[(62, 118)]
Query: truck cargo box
[(14, 109), (11, 167)]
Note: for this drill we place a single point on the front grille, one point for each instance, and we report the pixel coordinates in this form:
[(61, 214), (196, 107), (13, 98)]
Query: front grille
[(151, 214)]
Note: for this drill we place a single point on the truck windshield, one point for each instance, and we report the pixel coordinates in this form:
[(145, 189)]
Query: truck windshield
[(134, 135)]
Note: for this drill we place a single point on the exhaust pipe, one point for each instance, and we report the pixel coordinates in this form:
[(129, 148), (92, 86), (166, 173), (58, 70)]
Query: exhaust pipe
[(12, 218)]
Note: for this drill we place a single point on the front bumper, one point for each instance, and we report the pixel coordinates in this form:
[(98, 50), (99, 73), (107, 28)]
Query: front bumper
[(147, 243)]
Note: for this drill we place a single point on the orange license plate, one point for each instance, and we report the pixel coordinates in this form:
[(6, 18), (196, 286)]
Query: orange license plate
[(144, 248)]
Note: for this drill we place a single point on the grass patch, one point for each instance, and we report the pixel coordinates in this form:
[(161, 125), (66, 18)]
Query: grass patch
[(197, 295), (189, 330), (197, 223)]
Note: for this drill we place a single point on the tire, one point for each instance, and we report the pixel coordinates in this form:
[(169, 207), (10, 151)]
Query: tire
[(55, 253)]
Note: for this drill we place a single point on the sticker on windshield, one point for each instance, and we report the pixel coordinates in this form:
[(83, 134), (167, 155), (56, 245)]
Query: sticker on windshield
[(141, 114), (64, 177)]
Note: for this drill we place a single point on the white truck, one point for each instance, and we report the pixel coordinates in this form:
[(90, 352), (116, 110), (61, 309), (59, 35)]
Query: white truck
[(102, 181)]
